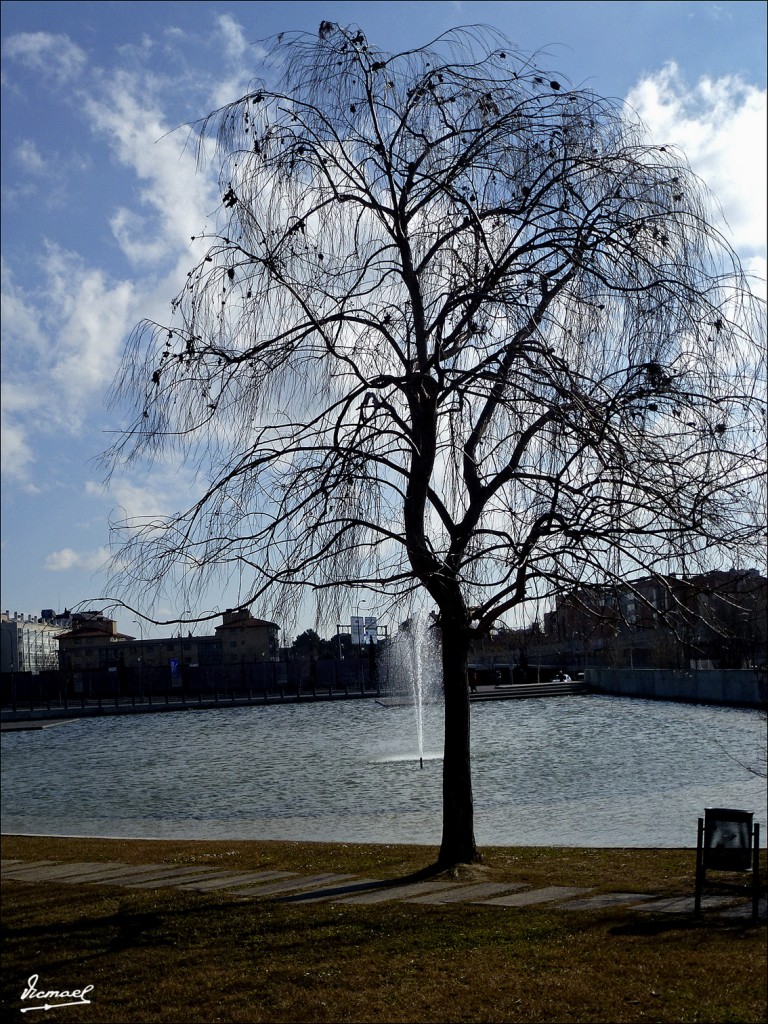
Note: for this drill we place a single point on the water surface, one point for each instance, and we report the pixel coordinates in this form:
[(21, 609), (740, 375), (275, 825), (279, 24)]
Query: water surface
[(572, 771)]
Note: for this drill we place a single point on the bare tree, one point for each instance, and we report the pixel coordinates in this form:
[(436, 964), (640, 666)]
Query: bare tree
[(461, 332)]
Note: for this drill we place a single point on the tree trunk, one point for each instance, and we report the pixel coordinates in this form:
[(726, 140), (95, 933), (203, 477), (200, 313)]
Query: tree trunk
[(458, 843)]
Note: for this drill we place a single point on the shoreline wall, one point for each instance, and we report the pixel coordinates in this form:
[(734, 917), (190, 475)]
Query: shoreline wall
[(733, 687)]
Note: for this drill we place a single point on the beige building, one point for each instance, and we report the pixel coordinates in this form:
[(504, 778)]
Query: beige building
[(244, 638), (94, 643)]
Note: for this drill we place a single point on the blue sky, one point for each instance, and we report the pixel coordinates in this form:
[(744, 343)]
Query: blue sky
[(99, 203)]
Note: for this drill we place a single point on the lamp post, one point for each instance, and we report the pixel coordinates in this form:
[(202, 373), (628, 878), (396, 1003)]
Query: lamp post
[(187, 611), (339, 627), (358, 606), (140, 624), (361, 638)]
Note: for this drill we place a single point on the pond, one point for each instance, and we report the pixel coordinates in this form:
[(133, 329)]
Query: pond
[(562, 771)]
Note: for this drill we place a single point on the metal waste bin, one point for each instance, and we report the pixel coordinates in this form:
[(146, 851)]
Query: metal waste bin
[(728, 840)]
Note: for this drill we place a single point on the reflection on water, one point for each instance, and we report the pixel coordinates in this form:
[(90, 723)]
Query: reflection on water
[(580, 771), (410, 758)]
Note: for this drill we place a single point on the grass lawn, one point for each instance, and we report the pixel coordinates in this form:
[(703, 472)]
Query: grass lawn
[(167, 955)]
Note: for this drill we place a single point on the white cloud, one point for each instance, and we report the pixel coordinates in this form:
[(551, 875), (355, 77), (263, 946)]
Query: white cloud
[(720, 124), (15, 452), (234, 39), (175, 196), (29, 156), (136, 495), (137, 500), (52, 55), (64, 336), (240, 56), (94, 316), (21, 320), (60, 348), (66, 559)]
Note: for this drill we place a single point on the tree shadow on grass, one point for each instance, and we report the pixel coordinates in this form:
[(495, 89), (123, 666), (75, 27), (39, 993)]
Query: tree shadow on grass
[(358, 888), (96, 935), (648, 925)]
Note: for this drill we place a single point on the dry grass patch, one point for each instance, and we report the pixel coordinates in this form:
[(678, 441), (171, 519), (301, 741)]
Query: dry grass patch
[(167, 955)]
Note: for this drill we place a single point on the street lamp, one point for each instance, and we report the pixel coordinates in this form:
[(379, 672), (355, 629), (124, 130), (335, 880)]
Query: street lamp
[(339, 627), (361, 638), (357, 633), (187, 611), (140, 624)]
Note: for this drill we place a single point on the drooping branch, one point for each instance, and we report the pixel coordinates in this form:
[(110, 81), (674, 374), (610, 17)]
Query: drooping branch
[(457, 326)]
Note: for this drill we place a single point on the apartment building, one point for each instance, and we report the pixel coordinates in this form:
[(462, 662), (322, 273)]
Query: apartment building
[(709, 620), (28, 643)]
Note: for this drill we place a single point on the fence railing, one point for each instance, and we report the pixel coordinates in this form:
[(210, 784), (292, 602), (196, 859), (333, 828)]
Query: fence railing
[(154, 688)]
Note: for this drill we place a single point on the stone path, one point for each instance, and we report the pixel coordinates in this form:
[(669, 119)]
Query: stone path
[(350, 890)]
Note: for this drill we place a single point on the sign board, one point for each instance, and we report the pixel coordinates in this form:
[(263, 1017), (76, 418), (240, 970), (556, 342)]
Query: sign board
[(727, 839), (364, 630)]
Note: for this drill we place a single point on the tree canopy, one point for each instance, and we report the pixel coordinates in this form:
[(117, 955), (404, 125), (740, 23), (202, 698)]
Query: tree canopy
[(461, 330)]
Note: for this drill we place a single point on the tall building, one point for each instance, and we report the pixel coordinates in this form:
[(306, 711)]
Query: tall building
[(29, 643)]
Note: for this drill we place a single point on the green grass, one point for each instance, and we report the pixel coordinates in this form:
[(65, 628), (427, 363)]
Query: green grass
[(166, 955)]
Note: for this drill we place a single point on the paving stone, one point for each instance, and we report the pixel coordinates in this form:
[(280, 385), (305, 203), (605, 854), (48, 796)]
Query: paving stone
[(681, 904), (465, 893), (526, 899), (96, 873), (398, 892), (605, 900), (298, 882), (147, 873), (53, 871), (105, 873), (85, 872), (177, 878), (66, 872), (359, 885), (236, 878), (20, 870)]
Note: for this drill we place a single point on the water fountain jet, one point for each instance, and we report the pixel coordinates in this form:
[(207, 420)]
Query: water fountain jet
[(415, 668)]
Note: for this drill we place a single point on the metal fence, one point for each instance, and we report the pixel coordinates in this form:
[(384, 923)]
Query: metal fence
[(149, 687)]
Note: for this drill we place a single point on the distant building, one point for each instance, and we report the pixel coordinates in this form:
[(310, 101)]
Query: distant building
[(710, 620), (244, 638), (28, 643), (91, 642), (94, 643)]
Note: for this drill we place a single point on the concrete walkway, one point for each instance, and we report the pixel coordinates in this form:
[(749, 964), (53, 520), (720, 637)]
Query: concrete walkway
[(350, 890)]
